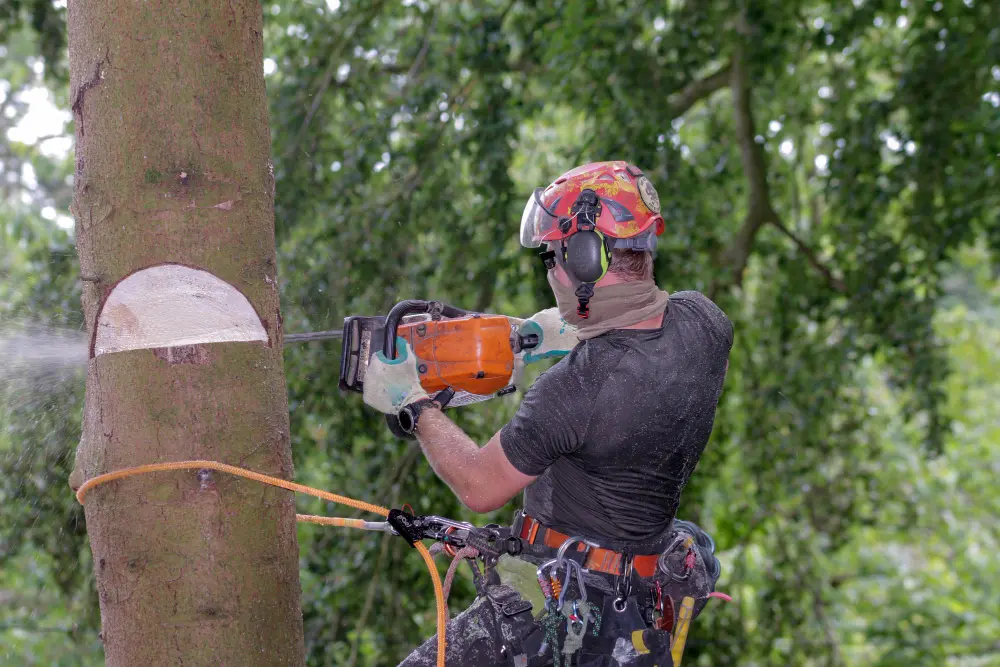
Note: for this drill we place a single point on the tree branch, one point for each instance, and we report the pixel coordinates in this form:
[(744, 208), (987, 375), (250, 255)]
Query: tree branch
[(817, 264), (691, 94), (760, 210), (678, 103)]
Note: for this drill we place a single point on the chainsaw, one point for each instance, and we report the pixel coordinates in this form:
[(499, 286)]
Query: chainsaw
[(468, 355)]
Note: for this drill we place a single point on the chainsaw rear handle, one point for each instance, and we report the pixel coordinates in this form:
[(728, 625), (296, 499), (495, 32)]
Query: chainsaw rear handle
[(392, 322)]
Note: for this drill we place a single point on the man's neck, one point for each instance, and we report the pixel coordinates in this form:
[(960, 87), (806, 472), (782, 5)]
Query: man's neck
[(654, 322)]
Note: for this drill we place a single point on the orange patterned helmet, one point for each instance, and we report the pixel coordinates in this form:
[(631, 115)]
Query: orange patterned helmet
[(585, 214), (628, 207)]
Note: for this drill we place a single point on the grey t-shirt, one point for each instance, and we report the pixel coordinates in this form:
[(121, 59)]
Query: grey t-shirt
[(614, 429)]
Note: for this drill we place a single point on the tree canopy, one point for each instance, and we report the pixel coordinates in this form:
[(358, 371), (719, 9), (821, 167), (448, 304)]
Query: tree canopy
[(828, 174)]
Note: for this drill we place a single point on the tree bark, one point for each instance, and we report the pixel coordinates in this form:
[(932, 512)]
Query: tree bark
[(172, 167)]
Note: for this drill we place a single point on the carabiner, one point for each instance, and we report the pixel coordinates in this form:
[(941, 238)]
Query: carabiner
[(575, 619), (561, 553), (545, 584), (573, 565), (623, 585)]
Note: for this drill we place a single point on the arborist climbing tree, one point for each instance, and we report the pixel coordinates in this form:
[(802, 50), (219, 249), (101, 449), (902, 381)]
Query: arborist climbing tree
[(602, 444), (827, 178)]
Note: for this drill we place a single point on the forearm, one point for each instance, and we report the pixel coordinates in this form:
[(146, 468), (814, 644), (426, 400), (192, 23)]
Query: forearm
[(452, 454)]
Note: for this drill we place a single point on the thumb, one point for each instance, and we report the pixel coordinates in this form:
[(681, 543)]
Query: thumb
[(402, 352)]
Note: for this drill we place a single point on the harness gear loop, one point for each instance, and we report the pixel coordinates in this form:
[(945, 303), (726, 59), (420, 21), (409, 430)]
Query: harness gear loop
[(442, 611)]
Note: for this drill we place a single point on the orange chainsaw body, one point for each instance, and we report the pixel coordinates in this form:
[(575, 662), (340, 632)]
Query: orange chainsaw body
[(471, 353)]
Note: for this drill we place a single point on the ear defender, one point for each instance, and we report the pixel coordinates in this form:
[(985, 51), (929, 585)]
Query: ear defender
[(587, 256)]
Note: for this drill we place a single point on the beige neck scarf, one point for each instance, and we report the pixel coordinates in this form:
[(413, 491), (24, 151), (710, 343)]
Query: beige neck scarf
[(612, 306)]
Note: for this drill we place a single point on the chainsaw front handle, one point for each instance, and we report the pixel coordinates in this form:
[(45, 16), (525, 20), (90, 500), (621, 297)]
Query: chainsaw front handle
[(437, 310), (395, 317)]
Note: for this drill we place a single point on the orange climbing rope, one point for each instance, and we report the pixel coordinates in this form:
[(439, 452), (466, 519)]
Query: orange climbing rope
[(442, 611)]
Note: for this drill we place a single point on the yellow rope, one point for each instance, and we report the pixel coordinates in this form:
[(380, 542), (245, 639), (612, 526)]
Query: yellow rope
[(442, 611), (232, 470), (338, 521)]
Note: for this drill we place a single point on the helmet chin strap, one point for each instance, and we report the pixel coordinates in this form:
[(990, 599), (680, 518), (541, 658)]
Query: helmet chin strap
[(586, 210), (584, 293)]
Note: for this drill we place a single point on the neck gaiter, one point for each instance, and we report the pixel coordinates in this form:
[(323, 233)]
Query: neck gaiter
[(612, 306)]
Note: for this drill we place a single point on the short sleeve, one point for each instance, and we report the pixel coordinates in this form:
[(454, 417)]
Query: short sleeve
[(549, 423), (711, 313)]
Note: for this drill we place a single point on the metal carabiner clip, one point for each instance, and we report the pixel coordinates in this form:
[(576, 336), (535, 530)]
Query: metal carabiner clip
[(545, 584), (576, 619), (564, 547), (623, 585), (448, 523), (575, 567)]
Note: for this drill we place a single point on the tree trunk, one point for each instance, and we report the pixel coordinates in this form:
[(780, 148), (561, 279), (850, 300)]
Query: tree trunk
[(175, 232)]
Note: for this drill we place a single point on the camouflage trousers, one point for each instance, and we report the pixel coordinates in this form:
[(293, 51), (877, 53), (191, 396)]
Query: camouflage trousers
[(499, 630), (501, 627)]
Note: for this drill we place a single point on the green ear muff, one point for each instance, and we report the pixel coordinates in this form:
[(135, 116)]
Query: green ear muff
[(587, 256)]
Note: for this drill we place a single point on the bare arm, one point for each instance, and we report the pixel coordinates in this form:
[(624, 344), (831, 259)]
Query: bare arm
[(482, 478)]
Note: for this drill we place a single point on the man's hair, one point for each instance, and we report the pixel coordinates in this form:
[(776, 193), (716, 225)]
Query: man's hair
[(631, 264)]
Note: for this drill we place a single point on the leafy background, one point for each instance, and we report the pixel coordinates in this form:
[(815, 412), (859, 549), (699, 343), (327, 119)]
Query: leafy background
[(828, 171)]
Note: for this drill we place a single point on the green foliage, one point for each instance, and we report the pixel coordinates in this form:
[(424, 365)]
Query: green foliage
[(49, 607), (849, 482), (48, 20)]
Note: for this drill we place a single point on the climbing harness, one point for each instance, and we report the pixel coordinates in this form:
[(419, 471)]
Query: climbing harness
[(663, 597)]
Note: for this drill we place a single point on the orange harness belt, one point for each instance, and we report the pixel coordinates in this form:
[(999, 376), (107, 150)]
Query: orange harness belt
[(601, 560)]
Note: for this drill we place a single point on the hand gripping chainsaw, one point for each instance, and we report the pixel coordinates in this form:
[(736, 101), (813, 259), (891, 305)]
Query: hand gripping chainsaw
[(471, 354)]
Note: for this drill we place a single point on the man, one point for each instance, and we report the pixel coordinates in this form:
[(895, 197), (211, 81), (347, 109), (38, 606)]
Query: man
[(603, 442)]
